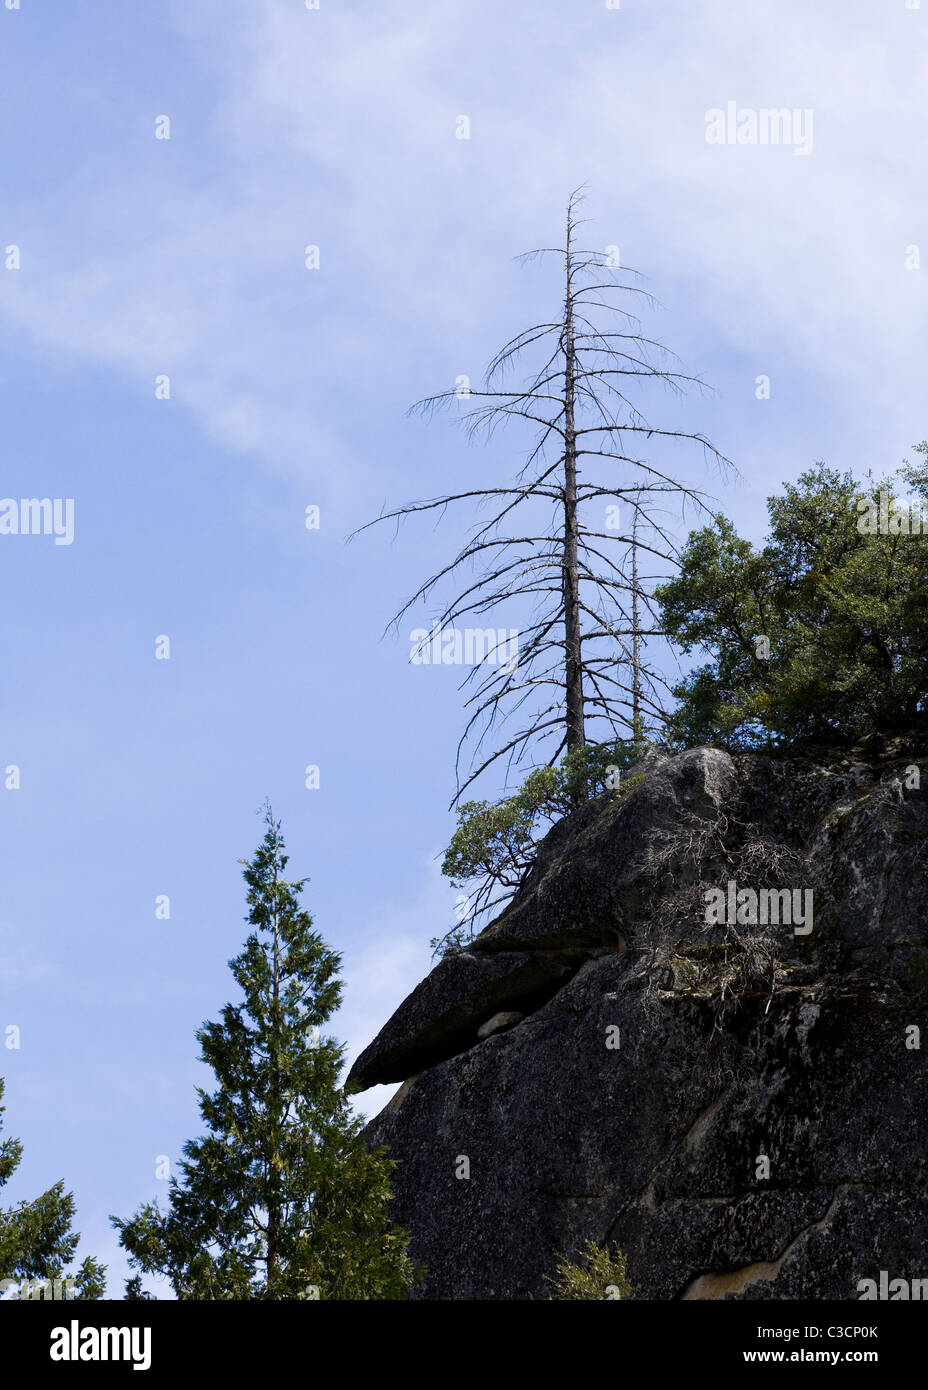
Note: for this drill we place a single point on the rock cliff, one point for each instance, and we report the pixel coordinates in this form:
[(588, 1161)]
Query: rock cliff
[(740, 1103)]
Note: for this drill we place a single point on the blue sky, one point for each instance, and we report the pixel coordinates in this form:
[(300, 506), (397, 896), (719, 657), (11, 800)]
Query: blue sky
[(140, 256)]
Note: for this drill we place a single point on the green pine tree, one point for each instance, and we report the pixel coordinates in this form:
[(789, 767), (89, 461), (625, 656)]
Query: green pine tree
[(134, 1291), (280, 1199), (36, 1238), (819, 637)]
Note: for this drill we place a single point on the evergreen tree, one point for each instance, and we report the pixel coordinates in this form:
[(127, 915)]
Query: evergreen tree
[(36, 1238), (819, 637), (134, 1291), (280, 1199)]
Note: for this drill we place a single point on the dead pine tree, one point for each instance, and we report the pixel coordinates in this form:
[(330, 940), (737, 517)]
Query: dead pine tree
[(581, 675), (637, 726)]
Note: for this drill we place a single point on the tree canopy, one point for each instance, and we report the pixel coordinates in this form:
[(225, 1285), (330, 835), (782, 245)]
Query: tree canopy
[(819, 637)]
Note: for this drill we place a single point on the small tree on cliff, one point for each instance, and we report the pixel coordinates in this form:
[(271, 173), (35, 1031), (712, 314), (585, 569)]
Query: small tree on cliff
[(494, 844), (281, 1199), (576, 534), (36, 1238), (598, 1274)]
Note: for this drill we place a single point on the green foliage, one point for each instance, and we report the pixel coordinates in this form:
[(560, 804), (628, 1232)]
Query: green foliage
[(90, 1279), (844, 610), (36, 1238), (625, 787), (134, 1291), (596, 1275), (493, 845), (280, 1199)]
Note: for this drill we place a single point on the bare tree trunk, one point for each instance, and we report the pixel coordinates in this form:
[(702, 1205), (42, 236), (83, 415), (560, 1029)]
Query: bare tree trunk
[(274, 1204), (636, 639), (573, 663)]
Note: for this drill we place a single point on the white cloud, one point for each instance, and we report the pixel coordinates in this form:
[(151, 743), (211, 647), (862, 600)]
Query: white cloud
[(337, 127)]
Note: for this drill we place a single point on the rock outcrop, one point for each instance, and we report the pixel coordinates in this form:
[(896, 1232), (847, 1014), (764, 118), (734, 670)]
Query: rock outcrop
[(740, 1105)]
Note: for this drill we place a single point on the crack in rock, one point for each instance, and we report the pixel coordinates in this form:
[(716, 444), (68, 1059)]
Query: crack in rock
[(735, 1281)]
